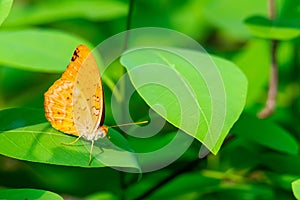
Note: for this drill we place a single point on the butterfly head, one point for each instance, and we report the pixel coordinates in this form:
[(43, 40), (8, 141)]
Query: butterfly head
[(101, 132)]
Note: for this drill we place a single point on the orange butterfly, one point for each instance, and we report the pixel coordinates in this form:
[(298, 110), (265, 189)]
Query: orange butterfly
[(74, 104)]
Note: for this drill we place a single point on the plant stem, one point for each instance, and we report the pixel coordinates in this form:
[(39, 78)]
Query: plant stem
[(272, 9), (273, 83), (128, 22), (122, 83)]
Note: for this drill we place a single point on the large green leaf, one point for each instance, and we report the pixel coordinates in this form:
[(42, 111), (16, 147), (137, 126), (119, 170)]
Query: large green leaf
[(24, 139), (200, 94), (37, 50), (265, 133), (48, 12), (28, 194), (266, 28), (5, 6)]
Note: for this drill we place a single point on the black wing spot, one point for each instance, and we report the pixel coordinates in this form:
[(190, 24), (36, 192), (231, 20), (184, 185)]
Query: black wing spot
[(75, 54)]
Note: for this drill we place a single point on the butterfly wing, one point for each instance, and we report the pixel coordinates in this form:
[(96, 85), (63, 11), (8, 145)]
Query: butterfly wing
[(74, 103), (58, 109), (88, 84)]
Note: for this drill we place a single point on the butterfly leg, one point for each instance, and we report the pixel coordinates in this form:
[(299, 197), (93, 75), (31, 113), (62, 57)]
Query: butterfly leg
[(91, 153), (68, 144)]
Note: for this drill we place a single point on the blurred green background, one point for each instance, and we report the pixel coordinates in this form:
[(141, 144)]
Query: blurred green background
[(258, 161)]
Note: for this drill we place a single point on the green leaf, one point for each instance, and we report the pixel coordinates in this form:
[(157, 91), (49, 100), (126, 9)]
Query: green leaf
[(28, 194), (37, 50), (265, 133), (281, 180), (15, 118), (282, 163), (242, 191), (209, 185), (175, 188), (48, 12), (5, 6), (241, 154), (19, 88), (228, 15), (203, 100), (188, 18), (290, 11), (41, 143), (188, 183), (255, 48), (296, 188), (102, 196), (266, 28)]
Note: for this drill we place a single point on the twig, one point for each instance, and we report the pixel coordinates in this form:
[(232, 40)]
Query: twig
[(272, 9), (122, 83), (273, 84)]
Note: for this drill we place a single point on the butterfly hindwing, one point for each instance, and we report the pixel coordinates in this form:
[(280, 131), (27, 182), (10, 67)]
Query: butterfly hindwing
[(57, 106)]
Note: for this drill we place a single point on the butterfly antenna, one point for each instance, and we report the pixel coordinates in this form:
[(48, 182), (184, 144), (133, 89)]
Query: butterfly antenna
[(128, 124)]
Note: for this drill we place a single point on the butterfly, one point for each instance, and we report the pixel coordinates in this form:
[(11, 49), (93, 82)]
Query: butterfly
[(74, 104)]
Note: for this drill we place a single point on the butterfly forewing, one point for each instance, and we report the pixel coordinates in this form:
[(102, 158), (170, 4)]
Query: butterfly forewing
[(74, 103), (88, 106)]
